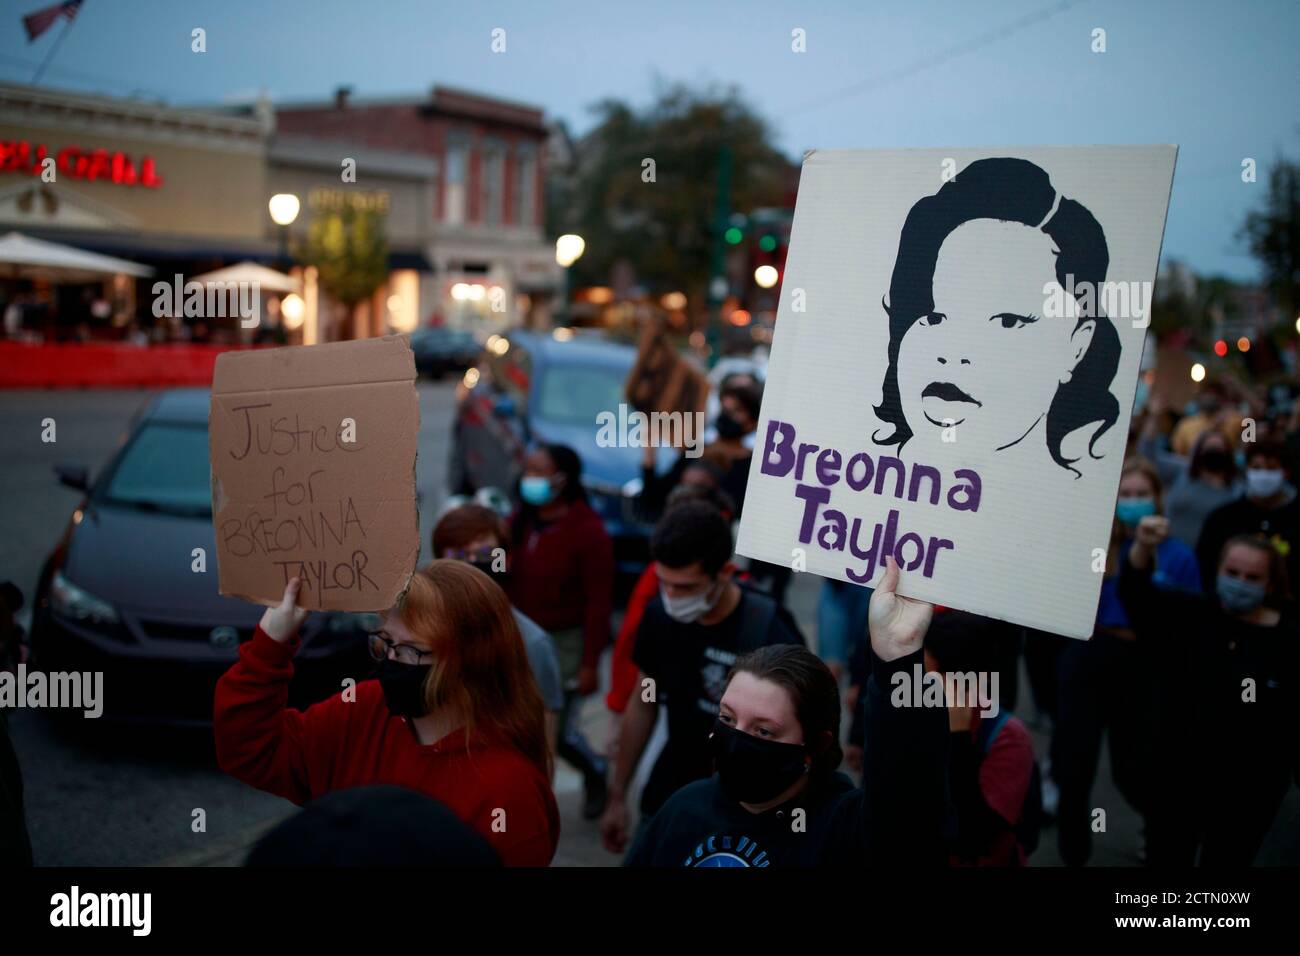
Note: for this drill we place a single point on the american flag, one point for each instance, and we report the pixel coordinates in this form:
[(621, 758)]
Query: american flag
[(40, 21)]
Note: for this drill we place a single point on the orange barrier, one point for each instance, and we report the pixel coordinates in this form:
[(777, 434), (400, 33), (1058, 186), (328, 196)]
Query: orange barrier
[(107, 365)]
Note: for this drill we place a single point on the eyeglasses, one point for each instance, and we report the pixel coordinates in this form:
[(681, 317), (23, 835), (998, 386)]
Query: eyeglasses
[(480, 556), (381, 648)]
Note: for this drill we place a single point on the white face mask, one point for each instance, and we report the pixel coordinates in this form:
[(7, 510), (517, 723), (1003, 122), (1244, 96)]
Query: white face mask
[(1263, 482), (688, 610)]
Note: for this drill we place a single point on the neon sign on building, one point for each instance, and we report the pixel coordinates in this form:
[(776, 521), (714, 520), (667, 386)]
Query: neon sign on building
[(102, 165)]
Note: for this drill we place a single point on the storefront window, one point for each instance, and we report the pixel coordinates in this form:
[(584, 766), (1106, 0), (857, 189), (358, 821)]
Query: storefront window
[(453, 199), (525, 191), (493, 181)]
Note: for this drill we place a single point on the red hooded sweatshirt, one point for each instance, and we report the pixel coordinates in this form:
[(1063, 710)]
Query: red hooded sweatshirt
[(562, 576), (302, 755)]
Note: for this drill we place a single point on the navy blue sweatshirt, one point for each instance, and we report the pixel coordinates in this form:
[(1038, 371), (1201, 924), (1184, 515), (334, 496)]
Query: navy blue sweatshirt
[(1209, 732), (896, 819)]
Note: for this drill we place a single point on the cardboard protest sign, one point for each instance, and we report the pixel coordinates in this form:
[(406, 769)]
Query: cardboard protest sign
[(953, 370), (660, 379), (313, 473)]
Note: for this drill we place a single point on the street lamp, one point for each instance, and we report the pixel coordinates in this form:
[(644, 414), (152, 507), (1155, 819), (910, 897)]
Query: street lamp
[(284, 210), (293, 309), (568, 250), (766, 276)]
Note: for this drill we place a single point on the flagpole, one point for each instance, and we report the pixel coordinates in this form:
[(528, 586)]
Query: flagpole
[(67, 25)]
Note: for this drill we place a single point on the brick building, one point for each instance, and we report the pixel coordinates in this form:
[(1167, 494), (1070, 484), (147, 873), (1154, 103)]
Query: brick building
[(491, 264)]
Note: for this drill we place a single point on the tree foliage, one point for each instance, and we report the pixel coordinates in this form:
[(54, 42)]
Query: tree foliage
[(664, 229), (1273, 234), (350, 253)]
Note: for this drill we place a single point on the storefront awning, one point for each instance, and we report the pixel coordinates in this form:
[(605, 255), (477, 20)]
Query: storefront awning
[(408, 260), (155, 247), (254, 274), (21, 256)]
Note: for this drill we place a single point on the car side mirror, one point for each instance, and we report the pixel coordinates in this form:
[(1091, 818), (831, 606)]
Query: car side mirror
[(74, 476)]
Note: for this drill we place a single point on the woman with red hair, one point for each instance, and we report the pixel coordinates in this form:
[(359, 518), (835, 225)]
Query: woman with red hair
[(454, 714)]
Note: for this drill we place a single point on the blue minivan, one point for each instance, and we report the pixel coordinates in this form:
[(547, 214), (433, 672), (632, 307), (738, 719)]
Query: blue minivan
[(532, 388)]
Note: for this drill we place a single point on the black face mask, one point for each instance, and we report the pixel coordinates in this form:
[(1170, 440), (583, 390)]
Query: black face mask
[(502, 578), (753, 770), (1216, 461), (403, 686), (728, 427)]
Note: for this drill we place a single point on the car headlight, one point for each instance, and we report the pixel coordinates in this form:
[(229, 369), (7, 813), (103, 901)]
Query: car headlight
[(71, 601)]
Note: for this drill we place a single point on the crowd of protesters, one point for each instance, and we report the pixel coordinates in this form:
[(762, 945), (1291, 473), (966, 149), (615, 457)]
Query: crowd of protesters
[(1193, 667), (778, 753), (773, 755)]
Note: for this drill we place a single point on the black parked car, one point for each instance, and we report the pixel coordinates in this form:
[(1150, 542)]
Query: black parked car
[(120, 595), (528, 387), (441, 350)]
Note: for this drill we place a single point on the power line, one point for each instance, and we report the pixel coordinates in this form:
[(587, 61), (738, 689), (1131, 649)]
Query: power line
[(944, 56), (101, 81)]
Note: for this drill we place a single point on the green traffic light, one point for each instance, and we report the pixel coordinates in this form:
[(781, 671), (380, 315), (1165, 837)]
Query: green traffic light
[(733, 236), (767, 243)]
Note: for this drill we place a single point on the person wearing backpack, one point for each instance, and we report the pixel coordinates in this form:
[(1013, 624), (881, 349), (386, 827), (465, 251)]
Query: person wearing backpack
[(994, 783), (689, 637)]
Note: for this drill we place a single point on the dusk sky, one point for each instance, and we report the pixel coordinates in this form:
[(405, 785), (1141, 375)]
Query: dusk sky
[(1217, 78)]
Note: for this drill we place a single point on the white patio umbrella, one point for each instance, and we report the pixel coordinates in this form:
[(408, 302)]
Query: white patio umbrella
[(22, 257), (268, 280)]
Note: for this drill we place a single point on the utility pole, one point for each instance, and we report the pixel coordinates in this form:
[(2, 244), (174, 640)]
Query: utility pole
[(717, 274)]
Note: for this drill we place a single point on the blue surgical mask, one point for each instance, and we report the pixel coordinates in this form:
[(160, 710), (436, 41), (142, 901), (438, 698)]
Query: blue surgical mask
[(536, 490), (1264, 482), (1238, 596), (1132, 510)]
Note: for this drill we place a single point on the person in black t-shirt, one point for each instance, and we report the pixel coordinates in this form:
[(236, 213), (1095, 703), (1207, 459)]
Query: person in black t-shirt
[(688, 639)]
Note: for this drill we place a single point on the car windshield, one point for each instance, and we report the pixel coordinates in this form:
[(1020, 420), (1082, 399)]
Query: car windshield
[(452, 338), (165, 468), (576, 394)]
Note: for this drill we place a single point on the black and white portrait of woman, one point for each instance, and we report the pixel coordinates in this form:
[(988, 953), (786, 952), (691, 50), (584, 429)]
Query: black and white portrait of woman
[(974, 354)]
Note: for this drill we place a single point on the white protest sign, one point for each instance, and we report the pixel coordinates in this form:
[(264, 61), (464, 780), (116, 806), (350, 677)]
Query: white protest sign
[(953, 370)]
